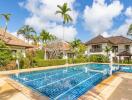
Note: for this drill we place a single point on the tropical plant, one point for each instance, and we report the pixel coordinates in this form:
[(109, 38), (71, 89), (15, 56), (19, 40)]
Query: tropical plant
[(45, 37), (75, 44), (7, 19), (98, 58), (35, 38), (130, 30), (5, 54), (81, 50), (26, 31), (63, 11), (107, 49)]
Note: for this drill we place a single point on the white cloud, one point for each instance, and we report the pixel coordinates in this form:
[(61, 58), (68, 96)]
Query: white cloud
[(70, 32), (42, 16), (105, 34), (122, 29), (128, 12), (99, 17)]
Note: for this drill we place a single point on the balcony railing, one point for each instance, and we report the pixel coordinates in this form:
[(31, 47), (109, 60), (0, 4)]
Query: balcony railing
[(96, 50)]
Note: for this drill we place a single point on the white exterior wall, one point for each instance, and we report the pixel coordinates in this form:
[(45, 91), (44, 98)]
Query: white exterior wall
[(121, 48), (19, 49), (131, 48), (90, 47)]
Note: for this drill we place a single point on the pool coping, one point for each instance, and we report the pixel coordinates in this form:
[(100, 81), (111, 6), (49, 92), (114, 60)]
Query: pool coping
[(33, 95), (100, 91), (39, 68), (50, 67)]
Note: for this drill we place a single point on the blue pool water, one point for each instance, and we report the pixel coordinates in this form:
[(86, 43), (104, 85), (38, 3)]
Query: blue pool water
[(127, 69), (64, 83)]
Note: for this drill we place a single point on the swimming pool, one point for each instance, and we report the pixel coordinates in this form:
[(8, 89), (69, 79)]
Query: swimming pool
[(127, 69), (64, 83)]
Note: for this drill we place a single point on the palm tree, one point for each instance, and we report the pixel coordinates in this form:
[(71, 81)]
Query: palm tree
[(45, 37), (75, 44), (130, 30), (7, 19), (26, 31), (107, 49), (35, 38), (63, 11)]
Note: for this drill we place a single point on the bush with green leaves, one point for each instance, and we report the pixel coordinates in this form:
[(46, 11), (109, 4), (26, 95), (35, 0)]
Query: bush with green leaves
[(39, 54), (51, 62), (24, 63), (98, 58), (125, 62), (5, 54), (77, 60)]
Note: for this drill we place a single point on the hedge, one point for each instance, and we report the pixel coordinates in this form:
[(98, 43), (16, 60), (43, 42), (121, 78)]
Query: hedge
[(77, 60), (98, 58), (51, 62)]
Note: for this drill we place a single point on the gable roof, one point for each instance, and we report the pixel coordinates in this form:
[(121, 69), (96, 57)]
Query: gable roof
[(98, 39), (114, 40), (12, 40), (58, 45), (119, 40)]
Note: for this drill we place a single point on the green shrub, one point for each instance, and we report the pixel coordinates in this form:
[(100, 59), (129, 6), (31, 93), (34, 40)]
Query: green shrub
[(79, 59), (98, 58), (5, 54), (39, 54), (24, 63), (125, 62), (51, 62)]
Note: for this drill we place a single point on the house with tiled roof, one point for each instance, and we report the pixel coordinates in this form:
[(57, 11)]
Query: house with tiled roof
[(15, 44), (119, 45)]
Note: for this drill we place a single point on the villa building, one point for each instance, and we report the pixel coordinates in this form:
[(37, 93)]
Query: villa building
[(15, 44), (120, 45)]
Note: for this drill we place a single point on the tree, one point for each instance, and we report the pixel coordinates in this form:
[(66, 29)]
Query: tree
[(26, 31), (35, 38), (75, 44), (7, 19), (5, 54), (107, 49), (63, 11), (81, 49), (45, 37), (130, 30)]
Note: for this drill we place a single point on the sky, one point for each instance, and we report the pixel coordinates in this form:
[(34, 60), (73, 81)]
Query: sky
[(90, 17)]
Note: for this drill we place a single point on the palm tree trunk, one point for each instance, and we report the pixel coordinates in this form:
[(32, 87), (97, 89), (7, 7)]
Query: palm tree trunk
[(45, 56), (4, 34), (63, 41)]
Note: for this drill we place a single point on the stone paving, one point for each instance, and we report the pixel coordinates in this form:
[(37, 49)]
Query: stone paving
[(124, 90)]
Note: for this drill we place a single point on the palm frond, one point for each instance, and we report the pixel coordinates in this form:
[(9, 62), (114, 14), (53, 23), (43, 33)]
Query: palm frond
[(6, 16), (130, 30)]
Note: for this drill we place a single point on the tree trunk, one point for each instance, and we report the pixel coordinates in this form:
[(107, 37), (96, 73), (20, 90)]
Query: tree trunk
[(4, 34), (45, 56), (63, 41)]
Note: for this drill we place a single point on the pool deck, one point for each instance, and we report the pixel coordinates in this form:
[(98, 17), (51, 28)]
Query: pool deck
[(116, 87)]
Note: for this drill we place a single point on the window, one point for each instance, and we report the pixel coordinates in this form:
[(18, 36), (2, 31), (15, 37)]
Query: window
[(96, 48), (114, 48), (127, 47)]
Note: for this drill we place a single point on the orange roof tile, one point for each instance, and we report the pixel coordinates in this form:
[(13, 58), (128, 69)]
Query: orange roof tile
[(12, 40)]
